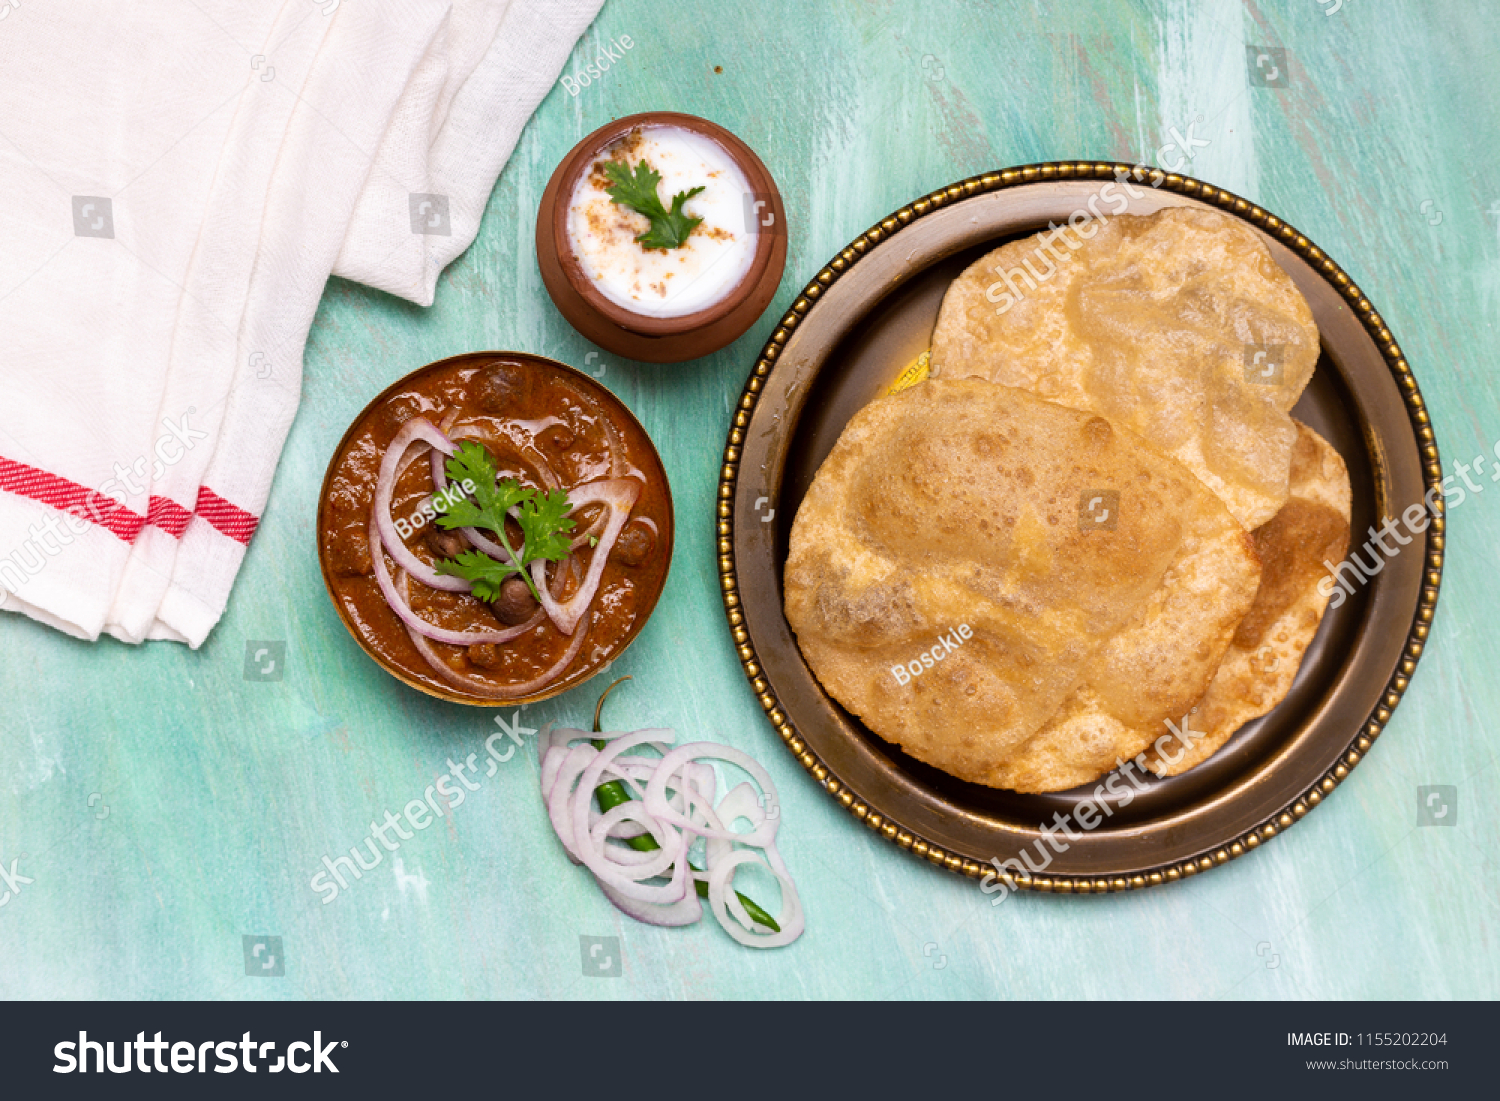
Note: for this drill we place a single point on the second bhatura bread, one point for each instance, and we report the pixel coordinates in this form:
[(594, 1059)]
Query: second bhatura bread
[(1155, 322), (959, 504), (1257, 672)]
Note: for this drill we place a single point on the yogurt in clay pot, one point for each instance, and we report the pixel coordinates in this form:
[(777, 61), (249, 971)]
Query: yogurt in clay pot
[(713, 265), (664, 282)]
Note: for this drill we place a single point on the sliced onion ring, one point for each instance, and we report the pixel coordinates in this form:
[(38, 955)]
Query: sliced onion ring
[(656, 801), (620, 495), (544, 470), (417, 428), (686, 911), (741, 802), (572, 770), (673, 852), (790, 919), (484, 688), (570, 766), (416, 623)]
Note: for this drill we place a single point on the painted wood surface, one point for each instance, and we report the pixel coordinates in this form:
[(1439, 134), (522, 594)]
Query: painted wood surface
[(165, 806)]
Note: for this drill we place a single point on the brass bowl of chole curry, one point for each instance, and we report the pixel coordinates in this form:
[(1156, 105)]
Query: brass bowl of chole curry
[(495, 528)]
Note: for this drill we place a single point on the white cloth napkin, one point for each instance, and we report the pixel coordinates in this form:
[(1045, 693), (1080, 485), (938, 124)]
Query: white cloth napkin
[(175, 188)]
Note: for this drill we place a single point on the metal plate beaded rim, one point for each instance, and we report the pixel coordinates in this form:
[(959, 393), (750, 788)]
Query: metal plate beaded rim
[(729, 537)]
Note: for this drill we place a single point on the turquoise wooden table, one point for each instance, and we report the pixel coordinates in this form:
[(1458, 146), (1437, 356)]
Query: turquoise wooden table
[(165, 805)]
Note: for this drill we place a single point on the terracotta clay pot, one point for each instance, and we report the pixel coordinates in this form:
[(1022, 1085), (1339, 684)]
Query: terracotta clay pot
[(618, 329)]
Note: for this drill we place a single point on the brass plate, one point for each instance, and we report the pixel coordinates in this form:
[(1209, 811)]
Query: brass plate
[(861, 322)]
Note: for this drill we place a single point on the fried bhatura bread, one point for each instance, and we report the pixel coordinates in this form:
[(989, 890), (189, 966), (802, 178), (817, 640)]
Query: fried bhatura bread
[(1258, 670), (961, 504), (1151, 672), (1157, 322)]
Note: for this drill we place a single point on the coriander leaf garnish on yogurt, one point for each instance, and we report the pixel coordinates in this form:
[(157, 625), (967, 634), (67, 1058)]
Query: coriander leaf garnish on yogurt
[(669, 228)]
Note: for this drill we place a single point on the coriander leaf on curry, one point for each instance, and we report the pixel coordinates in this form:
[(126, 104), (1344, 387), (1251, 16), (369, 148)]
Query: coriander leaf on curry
[(543, 518)]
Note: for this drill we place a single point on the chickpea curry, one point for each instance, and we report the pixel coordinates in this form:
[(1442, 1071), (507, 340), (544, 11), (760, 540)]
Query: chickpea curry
[(496, 528)]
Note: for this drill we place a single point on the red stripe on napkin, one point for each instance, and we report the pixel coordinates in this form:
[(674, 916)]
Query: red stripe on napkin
[(66, 496), (227, 518), (87, 504), (168, 515)]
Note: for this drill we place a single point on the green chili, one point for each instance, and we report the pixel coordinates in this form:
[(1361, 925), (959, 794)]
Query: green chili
[(614, 793)]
